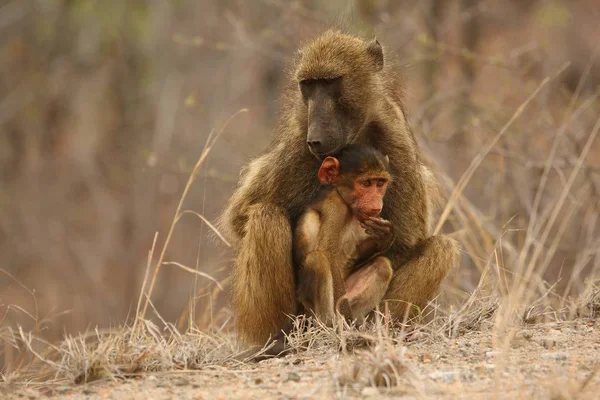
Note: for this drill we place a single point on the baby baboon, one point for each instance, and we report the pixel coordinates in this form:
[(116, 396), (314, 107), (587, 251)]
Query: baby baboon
[(341, 92), (340, 233)]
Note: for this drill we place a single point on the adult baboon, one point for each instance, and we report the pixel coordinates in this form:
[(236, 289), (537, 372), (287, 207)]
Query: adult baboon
[(341, 92)]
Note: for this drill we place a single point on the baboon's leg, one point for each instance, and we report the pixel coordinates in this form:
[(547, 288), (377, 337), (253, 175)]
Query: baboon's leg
[(366, 287), (316, 286), (418, 281), (263, 289)]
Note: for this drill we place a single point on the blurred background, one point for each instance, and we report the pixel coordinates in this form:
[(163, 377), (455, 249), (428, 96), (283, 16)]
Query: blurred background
[(106, 105)]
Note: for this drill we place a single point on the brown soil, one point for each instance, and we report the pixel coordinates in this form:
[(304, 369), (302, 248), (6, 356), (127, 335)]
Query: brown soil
[(557, 360)]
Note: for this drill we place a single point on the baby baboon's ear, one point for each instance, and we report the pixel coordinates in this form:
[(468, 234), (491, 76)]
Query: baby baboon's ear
[(376, 52), (329, 171)]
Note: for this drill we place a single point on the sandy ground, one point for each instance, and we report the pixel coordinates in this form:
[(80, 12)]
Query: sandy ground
[(552, 361)]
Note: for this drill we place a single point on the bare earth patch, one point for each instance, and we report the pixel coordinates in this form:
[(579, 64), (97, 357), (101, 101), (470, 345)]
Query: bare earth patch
[(555, 360)]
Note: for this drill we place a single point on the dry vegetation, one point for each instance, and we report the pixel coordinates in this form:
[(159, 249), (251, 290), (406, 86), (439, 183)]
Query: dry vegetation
[(100, 124)]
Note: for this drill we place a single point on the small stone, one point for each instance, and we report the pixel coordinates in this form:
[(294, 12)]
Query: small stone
[(414, 336), (258, 381), (492, 354), (181, 382), (152, 378), (296, 361), (292, 376), (554, 356), (63, 389), (548, 343), (426, 358), (447, 376), (369, 392), (30, 394), (527, 334), (88, 391), (483, 368)]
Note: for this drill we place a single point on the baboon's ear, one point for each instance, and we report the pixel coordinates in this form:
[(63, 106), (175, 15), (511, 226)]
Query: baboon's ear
[(329, 171), (376, 52), (387, 159)]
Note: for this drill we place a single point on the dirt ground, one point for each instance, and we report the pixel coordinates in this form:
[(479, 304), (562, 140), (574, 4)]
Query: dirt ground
[(550, 361)]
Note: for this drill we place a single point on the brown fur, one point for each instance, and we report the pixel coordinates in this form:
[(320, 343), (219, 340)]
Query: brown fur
[(278, 185), (325, 248), (330, 242)]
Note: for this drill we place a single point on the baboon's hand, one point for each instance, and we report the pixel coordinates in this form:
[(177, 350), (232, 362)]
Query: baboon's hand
[(381, 230), (343, 307)]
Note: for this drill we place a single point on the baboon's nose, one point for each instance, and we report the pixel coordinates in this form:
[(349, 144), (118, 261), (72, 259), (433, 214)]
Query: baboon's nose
[(315, 146), (373, 212)]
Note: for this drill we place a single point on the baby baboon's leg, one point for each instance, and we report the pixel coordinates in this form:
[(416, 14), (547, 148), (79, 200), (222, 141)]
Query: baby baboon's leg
[(366, 287), (263, 289), (316, 286), (418, 281)]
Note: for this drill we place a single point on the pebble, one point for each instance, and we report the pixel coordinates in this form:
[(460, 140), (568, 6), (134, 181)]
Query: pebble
[(554, 356), (527, 334), (181, 382), (485, 367), (492, 354), (448, 376), (548, 342), (30, 394), (369, 391), (292, 376)]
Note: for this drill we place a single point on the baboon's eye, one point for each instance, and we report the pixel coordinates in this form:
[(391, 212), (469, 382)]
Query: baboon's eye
[(329, 81), (306, 87), (366, 183), (380, 182), (319, 81)]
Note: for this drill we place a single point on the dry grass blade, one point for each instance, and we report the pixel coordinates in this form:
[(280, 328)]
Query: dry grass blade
[(122, 352), (193, 271), (558, 207), (145, 281), (210, 225), (476, 162), (190, 181)]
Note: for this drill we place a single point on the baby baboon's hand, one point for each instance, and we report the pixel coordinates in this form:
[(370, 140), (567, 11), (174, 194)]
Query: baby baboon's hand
[(381, 230)]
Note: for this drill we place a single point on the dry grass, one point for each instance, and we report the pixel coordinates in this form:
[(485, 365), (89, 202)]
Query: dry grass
[(125, 352), (505, 301)]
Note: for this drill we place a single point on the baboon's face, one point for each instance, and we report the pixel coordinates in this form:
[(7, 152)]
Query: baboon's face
[(327, 124), (337, 76)]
